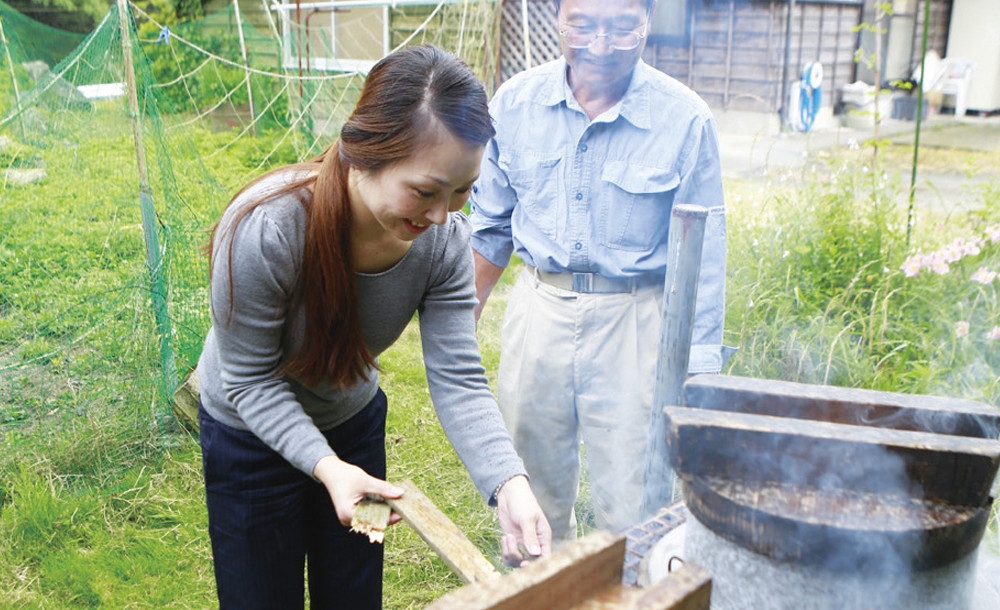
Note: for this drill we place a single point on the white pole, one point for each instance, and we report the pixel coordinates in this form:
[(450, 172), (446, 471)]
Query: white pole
[(246, 65), (525, 34)]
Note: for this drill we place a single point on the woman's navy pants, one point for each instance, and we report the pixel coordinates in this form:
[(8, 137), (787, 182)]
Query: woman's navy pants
[(265, 518)]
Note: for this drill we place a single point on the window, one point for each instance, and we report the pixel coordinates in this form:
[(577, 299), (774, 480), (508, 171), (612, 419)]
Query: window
[(318, 36)]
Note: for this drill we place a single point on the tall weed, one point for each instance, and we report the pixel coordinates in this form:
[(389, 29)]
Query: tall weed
[(821, 290)]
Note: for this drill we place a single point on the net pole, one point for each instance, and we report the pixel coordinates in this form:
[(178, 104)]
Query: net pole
[(13, 78), (150, 228), (246, 65)]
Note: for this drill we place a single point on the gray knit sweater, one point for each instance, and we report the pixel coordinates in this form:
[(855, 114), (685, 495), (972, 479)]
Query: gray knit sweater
[(240, 370)]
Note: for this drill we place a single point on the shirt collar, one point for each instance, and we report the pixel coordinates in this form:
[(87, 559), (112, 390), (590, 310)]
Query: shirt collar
[(634, 107)]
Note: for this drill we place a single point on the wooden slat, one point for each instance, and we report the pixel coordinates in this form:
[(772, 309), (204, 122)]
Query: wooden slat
[(953, 469), (573, 573), (442, 535), (843, 405), (689, 588)]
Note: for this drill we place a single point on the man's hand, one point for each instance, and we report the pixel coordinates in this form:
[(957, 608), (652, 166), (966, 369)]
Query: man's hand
[(347, 485), (523, 523)]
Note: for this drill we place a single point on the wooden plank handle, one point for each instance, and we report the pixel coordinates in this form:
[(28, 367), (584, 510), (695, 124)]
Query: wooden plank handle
[(442, 535)]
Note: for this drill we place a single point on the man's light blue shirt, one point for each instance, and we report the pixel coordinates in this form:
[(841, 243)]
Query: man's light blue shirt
[(568, 194)]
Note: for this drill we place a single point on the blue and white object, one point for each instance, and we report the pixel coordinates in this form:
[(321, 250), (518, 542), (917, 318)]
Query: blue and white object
[(810, 94)]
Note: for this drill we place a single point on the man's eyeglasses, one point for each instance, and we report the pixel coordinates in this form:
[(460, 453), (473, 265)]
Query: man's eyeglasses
[(584, 37)]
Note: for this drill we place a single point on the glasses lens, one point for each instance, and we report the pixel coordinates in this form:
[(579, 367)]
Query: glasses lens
[(584, 38), (625, 41), (577, 38)]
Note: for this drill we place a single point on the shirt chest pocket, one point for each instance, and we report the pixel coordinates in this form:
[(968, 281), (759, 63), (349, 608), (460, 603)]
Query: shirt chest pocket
[(536, 181), (636, 213)]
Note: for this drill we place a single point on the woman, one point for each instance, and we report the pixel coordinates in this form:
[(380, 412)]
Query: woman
[(316, 268)]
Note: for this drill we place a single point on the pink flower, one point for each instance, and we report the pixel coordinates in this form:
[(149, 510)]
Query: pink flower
[(952, 252), (911, 266), (984, 275), (994, 334), (961, 329), (938, 264), (993, 234), (971, 248)]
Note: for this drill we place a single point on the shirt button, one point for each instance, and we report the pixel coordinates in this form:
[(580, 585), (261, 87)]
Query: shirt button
[(583, 148), (578, 245), (579, 196)]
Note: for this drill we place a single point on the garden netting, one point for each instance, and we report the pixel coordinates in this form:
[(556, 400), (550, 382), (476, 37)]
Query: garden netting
[(118, 150)]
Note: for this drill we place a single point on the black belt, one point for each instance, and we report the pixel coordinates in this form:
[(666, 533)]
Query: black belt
[(594, 283)]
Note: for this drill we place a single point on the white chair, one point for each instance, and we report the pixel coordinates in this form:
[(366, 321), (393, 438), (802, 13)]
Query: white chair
[(953, 79)]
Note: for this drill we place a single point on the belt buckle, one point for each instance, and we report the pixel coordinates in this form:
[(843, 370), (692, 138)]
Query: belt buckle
[(583, 282)]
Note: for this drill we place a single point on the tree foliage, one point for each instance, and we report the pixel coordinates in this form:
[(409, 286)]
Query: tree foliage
[(83, 15)]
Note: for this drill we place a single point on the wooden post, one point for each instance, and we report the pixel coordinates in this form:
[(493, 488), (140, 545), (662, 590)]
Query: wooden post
[(154, 263), (133, 96), (680, 291)]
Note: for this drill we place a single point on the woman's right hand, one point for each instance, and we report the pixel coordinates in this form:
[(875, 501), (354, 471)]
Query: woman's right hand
[(347, 485)]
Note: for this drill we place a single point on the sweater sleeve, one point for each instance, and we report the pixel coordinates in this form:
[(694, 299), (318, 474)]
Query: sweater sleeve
[(455, 375), (254, 276)]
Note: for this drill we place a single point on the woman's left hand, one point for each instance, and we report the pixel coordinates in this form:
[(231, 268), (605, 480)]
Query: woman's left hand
[(348, 485), (524, 525)]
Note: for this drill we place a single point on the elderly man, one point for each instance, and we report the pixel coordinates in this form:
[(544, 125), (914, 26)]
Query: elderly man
[(592, 150)]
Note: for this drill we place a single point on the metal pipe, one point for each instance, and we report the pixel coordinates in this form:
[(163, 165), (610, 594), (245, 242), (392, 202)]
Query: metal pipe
[(680, 292)]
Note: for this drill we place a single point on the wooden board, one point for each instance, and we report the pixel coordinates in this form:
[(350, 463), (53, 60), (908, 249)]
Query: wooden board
[(855, 406), (442, 535), (572, 574), (584, 574), (952, 469), (689, 588)]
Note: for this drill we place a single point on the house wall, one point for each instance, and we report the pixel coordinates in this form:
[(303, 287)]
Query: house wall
[(737, 50), (975, 29)]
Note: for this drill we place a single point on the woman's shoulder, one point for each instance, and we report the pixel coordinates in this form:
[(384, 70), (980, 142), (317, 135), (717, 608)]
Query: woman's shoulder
[(270, 200)]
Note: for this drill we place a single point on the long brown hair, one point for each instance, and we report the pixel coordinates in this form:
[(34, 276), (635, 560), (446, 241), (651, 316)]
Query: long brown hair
[(403, 93)]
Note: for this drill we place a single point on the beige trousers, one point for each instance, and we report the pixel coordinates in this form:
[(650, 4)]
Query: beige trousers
[(580, 367)]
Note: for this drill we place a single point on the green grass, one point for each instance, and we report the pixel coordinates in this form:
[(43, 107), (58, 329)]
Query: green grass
[(101, 505)]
